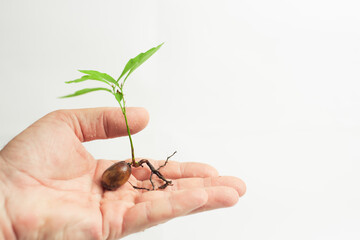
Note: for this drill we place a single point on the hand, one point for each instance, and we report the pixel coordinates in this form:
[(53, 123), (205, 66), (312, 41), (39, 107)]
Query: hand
[(50, 185)]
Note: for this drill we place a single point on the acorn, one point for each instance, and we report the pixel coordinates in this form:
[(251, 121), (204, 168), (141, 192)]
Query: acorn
[(116, 175)]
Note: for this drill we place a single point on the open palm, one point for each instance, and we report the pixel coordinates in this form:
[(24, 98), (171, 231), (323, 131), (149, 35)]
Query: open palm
[(50, 184)]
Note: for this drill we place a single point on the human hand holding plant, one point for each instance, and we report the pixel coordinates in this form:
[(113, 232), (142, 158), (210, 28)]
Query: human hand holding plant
[(50, 185)]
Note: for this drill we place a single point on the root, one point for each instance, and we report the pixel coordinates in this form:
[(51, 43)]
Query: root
[(156, 172)]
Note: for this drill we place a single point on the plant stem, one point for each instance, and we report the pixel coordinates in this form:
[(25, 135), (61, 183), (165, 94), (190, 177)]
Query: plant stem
[(131, 143), (123, 109)]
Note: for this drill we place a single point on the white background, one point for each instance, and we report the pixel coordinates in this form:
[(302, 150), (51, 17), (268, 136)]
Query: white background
[(264, 90)]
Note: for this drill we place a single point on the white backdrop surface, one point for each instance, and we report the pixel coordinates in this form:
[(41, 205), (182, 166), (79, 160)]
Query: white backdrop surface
[(264, 90)]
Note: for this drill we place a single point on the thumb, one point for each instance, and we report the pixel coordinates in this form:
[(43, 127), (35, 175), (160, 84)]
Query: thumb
[(101, 123)]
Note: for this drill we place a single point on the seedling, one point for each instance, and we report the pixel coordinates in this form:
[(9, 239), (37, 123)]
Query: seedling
[(119, 173)]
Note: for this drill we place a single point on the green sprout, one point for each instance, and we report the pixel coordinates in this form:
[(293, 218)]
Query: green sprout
[(116, 88)]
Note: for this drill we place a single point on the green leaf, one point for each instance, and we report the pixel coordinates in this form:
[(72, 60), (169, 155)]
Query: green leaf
[(86, 90), (87, 77), (135, 62), (118, 95), (96, 75)]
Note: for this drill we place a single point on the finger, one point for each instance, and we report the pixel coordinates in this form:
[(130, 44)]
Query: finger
[(190, 183), (101, 123), (218, 197), (170, 205), (176, 170), (223, 181)]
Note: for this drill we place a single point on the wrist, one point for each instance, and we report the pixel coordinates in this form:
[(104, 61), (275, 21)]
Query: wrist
[(6, 229)]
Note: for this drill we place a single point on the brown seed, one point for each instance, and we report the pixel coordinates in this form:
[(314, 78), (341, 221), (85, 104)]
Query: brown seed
[(116, 175)]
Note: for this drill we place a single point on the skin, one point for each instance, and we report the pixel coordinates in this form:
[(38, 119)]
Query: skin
[(50, 185)]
